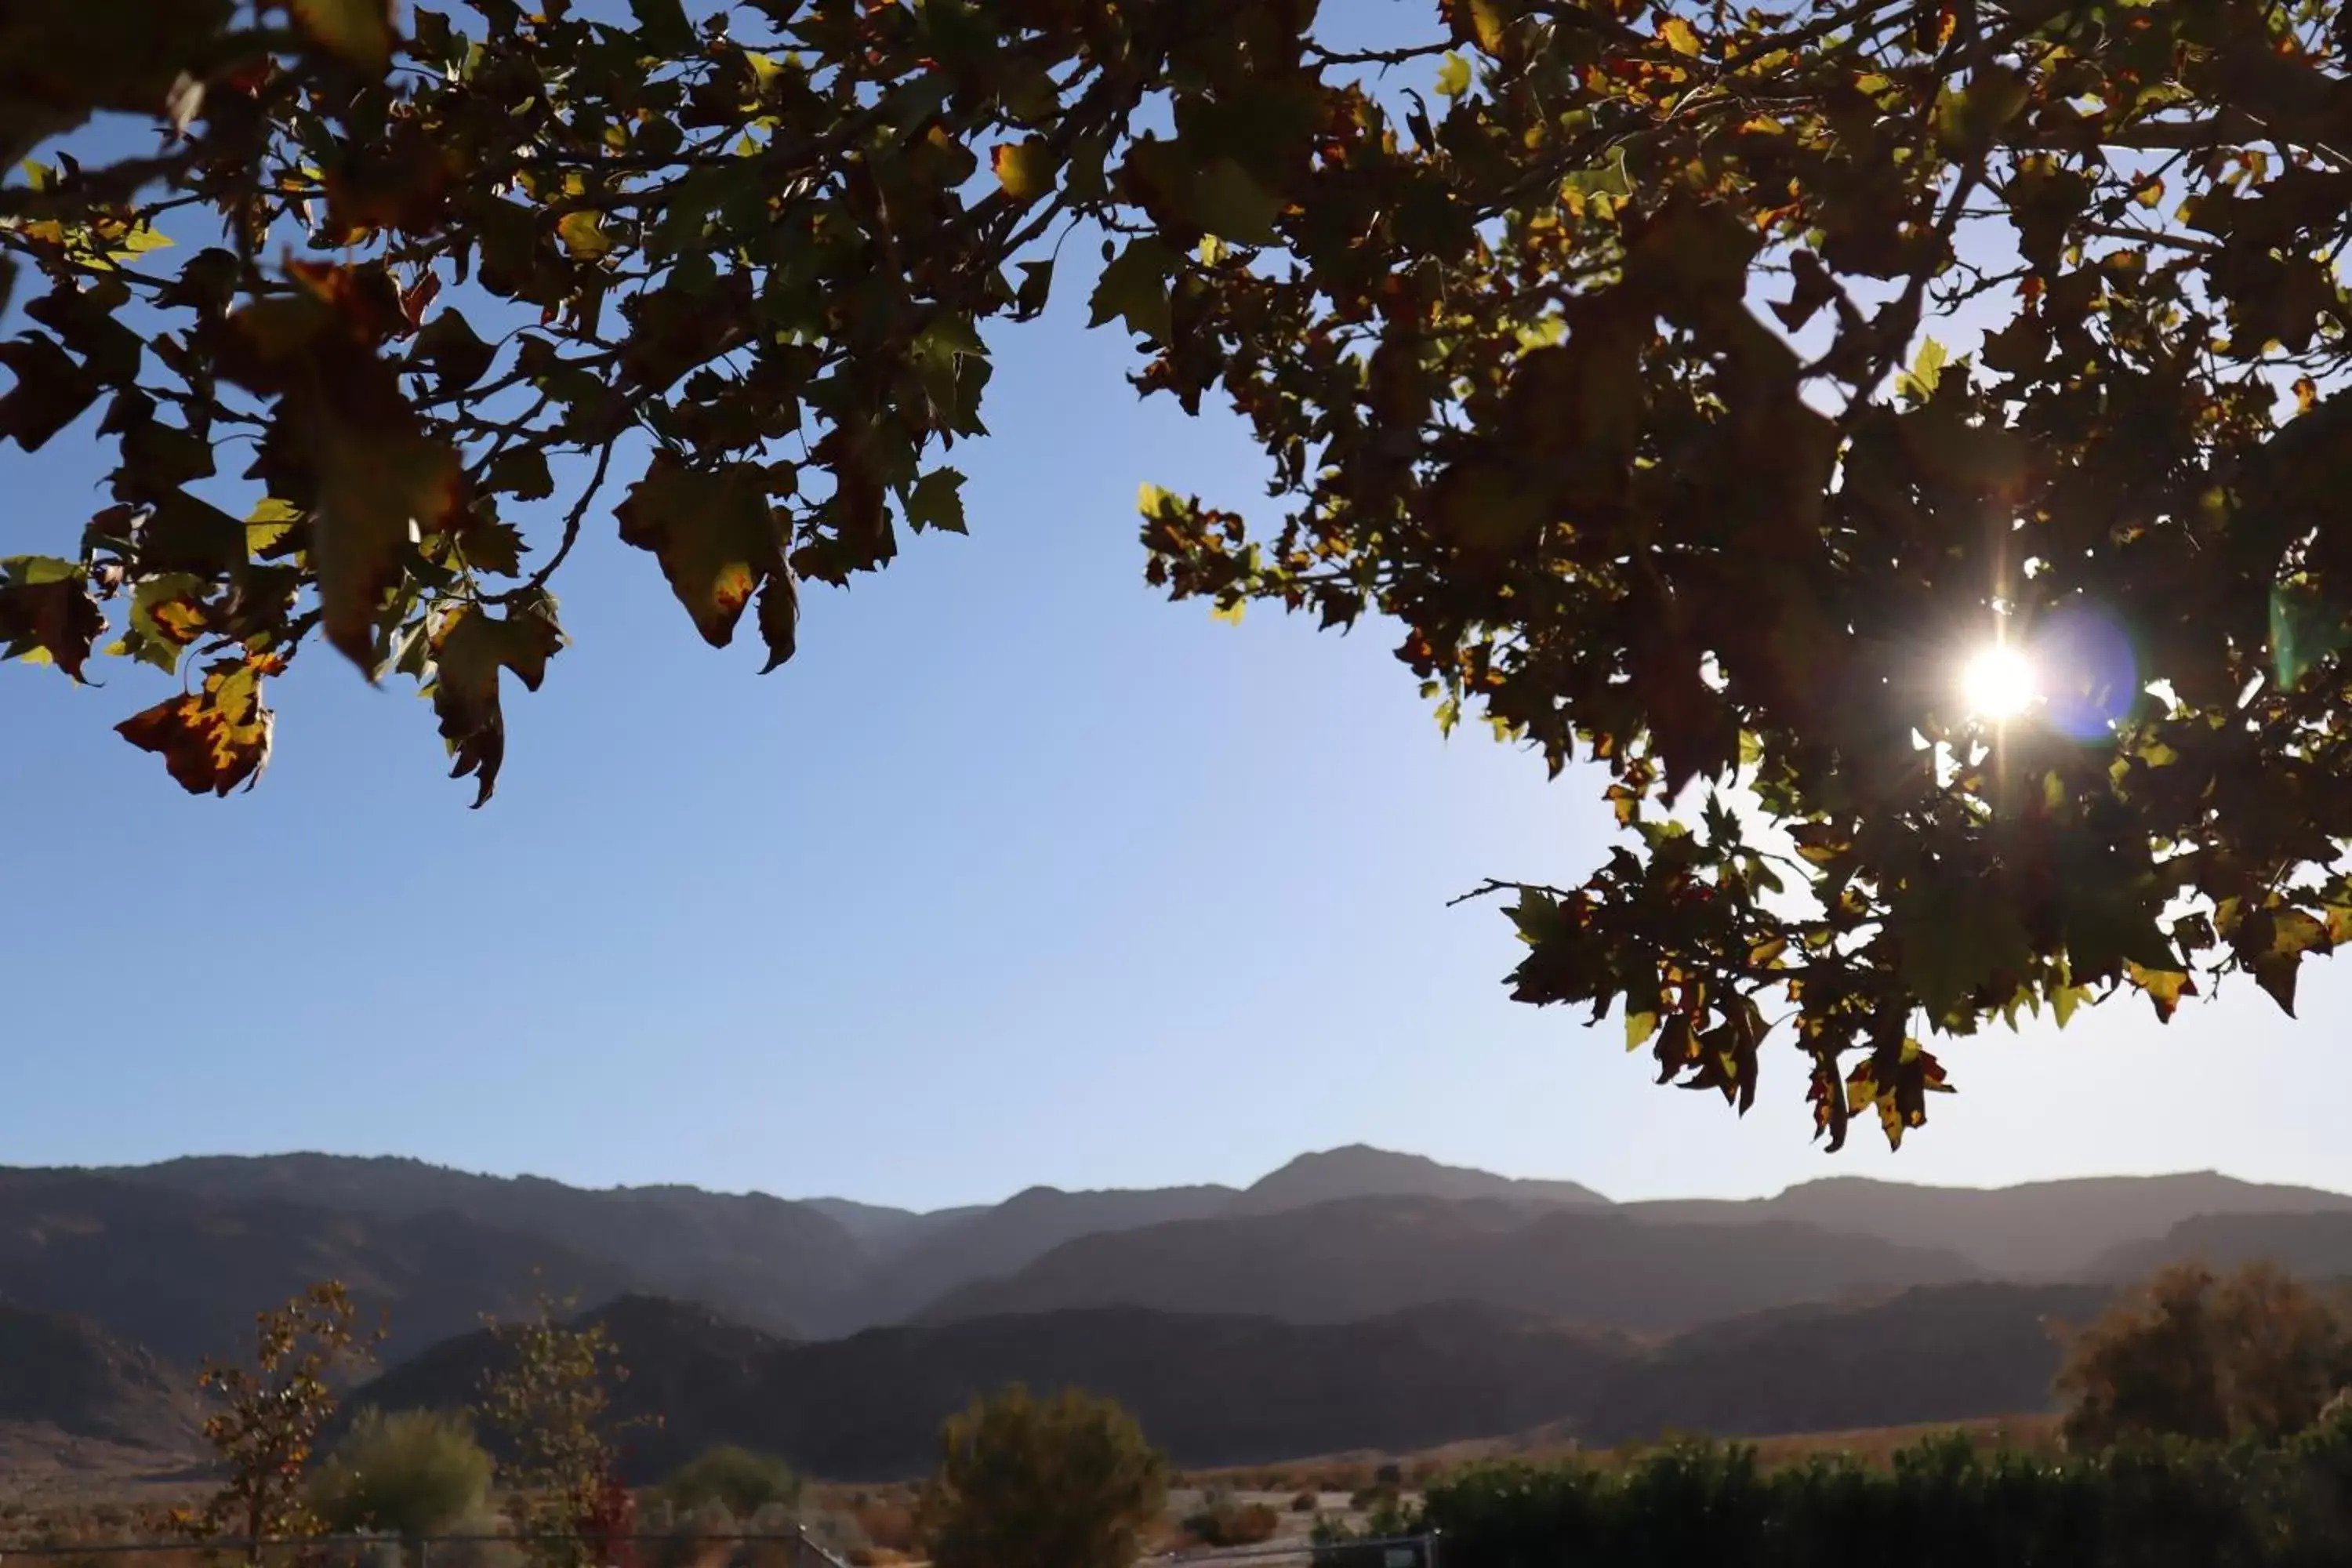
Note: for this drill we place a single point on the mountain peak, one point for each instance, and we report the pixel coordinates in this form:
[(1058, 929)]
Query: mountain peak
[(1361, 1171)]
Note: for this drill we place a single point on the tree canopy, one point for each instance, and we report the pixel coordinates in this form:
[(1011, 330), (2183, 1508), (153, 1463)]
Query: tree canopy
[(1586, 341)]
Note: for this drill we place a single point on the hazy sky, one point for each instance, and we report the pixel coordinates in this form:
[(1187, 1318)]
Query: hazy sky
[(1017, 874)]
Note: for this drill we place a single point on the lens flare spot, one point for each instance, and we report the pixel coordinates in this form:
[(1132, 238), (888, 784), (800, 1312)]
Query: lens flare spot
[(1997, 682)]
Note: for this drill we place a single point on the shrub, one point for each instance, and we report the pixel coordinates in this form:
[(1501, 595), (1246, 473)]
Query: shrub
[(416, 1473), (1305, 1502), (1224, 1519), (2150, 1504), (2250, 1355), (745, 1483), (1023, 1483), (888, 1522)]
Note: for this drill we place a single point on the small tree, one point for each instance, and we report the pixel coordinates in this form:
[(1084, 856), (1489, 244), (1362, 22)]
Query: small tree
[(1064, 1483), (414, 1473), (272, 1412), (2254, 1354), (549, 1398), (743, 1481)]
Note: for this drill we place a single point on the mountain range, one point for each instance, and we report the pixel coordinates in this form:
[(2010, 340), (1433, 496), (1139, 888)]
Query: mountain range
[(1353, 1298)]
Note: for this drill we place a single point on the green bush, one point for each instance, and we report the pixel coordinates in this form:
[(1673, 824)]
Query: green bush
[(2169, 1504), (745, 1483), (1024, 1483), (416, 1473)]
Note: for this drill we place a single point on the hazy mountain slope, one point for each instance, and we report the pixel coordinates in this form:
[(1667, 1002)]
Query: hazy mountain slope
[(1219, 1389), (1359, 1171), (1213, 1390), (881, 1231), (184, 1275), (763, 1259), (1949, 1352), (2040, 1230), (983, 1243), (68, 1377), (1345, 1260), (2313, 1245)]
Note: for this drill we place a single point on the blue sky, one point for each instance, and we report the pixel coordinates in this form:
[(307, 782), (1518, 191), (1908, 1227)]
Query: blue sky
[(1017, 874)]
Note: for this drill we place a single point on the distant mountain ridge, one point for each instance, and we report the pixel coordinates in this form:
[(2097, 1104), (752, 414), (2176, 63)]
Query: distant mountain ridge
[(1222, 1389), (182, 1274), (2035, 1230), (1354, 1258), (1353, 1298), (765, 1260), (829, 1266), (1359, 1171)]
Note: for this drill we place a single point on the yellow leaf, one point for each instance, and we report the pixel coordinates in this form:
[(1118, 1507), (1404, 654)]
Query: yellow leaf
[(1680, 37), (1025, 169), (583, 234), (1229, 613), (1454, 75), (268, 522), (1489, 20)]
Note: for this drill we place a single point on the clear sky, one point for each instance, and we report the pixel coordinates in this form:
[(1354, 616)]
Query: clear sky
[(1017, 874)]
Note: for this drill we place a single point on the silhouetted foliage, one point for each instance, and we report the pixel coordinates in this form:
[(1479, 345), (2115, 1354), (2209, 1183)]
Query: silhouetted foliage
[(2253, 1353), (1067, 1483), (415, 1472), (1941, 1505), (720, 279)]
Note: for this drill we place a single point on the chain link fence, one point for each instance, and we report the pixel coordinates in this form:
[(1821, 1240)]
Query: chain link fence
[(1392, 1551), (794, 1549)]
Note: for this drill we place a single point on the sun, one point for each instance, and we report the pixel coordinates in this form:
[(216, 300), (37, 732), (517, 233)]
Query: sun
[(1999, 682)]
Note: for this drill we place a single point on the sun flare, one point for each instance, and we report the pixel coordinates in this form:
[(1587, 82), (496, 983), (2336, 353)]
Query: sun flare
[(1997, 683)]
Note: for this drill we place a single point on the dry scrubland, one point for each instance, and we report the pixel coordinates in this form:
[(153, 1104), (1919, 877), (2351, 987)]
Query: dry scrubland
[(106, 1500)]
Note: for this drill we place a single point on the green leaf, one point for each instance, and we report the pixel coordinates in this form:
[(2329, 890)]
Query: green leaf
[(713, 533), (1036, 285), (47, 613), (374, 486), (2305, 631), (1927, 371), (167, 614), (522, 474), (1227, 202), (937, 502), (1969, 118), (458, 356), (662, 26), (469, 650), (780, 617), (358, 30), (1134, 289)]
